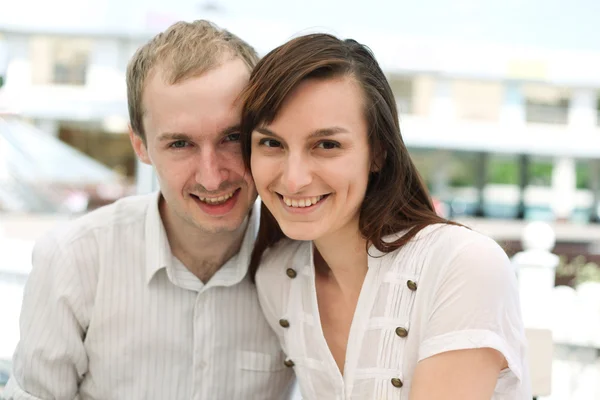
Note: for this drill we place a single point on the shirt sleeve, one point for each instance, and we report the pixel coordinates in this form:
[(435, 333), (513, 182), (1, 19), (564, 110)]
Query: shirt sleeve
[(50, 358), (476, 305)]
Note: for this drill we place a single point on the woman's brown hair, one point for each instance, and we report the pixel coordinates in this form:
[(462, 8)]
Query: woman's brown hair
[(396, 198)]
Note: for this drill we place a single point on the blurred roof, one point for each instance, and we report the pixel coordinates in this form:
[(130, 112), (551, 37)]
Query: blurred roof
[(37, 157), (533, 23), (501, 138), (34, 163)]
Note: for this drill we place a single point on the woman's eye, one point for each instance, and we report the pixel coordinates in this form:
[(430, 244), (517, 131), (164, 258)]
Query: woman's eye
[(178, 144), (328, 145), (269, 143)]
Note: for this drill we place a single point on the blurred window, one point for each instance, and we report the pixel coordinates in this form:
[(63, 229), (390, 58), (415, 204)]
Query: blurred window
[(477, 100), (60, 61), (546, 104)]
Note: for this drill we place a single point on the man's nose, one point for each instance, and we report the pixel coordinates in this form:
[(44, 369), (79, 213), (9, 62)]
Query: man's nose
[(211, 171)]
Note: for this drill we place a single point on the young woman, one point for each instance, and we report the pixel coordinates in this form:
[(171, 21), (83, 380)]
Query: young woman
[(373, 295)]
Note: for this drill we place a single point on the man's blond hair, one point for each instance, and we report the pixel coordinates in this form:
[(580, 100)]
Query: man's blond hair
[(184, 50)]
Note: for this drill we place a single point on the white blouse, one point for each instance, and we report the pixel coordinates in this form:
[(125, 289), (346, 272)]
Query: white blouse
[(449, 288)]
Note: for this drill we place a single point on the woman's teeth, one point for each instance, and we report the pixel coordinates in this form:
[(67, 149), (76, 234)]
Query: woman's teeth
[(300, 203)]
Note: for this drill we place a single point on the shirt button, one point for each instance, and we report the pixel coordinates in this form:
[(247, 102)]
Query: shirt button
[(284, 323), (397, 382), (411, 285), (401, 332), (288, 363), (291, 273)]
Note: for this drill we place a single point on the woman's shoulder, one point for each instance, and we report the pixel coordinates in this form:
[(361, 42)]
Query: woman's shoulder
[(281, 256), (458, 237), (443, 244), (284, 249)]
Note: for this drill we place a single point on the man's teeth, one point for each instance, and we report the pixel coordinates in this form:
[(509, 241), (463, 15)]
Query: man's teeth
[(216, 200), (307, 202)]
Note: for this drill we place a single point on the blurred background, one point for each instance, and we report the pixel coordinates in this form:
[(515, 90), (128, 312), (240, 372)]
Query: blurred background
[(499, 105)]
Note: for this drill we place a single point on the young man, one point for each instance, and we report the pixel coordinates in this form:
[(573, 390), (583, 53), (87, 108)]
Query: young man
[(148, 298)]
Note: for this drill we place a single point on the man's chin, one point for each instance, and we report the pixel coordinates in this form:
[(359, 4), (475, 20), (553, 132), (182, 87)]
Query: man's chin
[(225, 225)]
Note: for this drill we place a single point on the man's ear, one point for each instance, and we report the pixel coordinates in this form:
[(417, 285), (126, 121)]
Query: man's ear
[(139, 146)]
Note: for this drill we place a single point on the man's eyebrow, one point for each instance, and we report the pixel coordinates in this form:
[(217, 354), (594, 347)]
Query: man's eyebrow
[(324, 132), (231, 129), (168, 136)]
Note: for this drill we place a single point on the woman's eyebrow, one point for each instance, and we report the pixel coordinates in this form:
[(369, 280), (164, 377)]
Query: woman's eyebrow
[(323, 132)]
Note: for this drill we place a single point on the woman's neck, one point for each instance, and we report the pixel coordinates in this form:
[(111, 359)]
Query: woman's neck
[(341, 259)]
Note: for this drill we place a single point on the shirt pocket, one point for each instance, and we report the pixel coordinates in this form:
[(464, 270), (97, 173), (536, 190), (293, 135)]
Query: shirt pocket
[(257, 361)]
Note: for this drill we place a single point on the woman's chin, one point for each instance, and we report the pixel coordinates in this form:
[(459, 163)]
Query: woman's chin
[(298, 234)]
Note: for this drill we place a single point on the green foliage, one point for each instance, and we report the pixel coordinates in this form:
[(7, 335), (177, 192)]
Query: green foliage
[(580, 268), (503, 171)]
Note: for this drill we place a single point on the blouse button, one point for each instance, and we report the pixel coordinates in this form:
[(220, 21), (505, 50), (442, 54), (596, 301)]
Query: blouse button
[(411, 285), (397, 382), (284, 323), (290, 272), (402, 332), (288, 363)]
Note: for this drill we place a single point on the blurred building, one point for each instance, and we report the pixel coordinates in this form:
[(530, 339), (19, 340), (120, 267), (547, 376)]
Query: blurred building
[(496, 131)]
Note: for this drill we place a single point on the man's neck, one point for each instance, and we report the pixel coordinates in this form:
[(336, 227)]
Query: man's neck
[(203, 253)]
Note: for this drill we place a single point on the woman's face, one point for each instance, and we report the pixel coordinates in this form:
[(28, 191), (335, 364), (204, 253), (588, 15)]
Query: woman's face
[(311, 164)]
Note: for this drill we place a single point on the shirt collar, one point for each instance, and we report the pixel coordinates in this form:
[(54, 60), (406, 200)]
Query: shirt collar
[(159, 256), (158, 251), (236, 268)]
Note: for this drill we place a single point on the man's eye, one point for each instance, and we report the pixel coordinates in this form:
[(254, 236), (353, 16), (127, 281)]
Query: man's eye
[(327, 145), (233, 137), (178, 144), (269, 143)]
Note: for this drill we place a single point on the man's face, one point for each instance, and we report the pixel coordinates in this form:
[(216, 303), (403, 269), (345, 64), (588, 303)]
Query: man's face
[(192, 140)]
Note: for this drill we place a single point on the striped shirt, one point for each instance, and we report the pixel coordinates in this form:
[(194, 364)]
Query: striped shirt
[(109, 313)]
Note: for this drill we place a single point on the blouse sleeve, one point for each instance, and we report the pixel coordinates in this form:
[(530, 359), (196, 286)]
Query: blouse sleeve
[(475, 304)]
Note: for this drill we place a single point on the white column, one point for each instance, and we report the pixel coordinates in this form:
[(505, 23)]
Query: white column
[(535, 267), (513, 106), (512, 115), (582, 109), (19, 64), (442, 106), (564, 186)]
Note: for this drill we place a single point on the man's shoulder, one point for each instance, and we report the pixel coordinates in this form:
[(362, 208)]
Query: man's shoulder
[(122, 213)]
